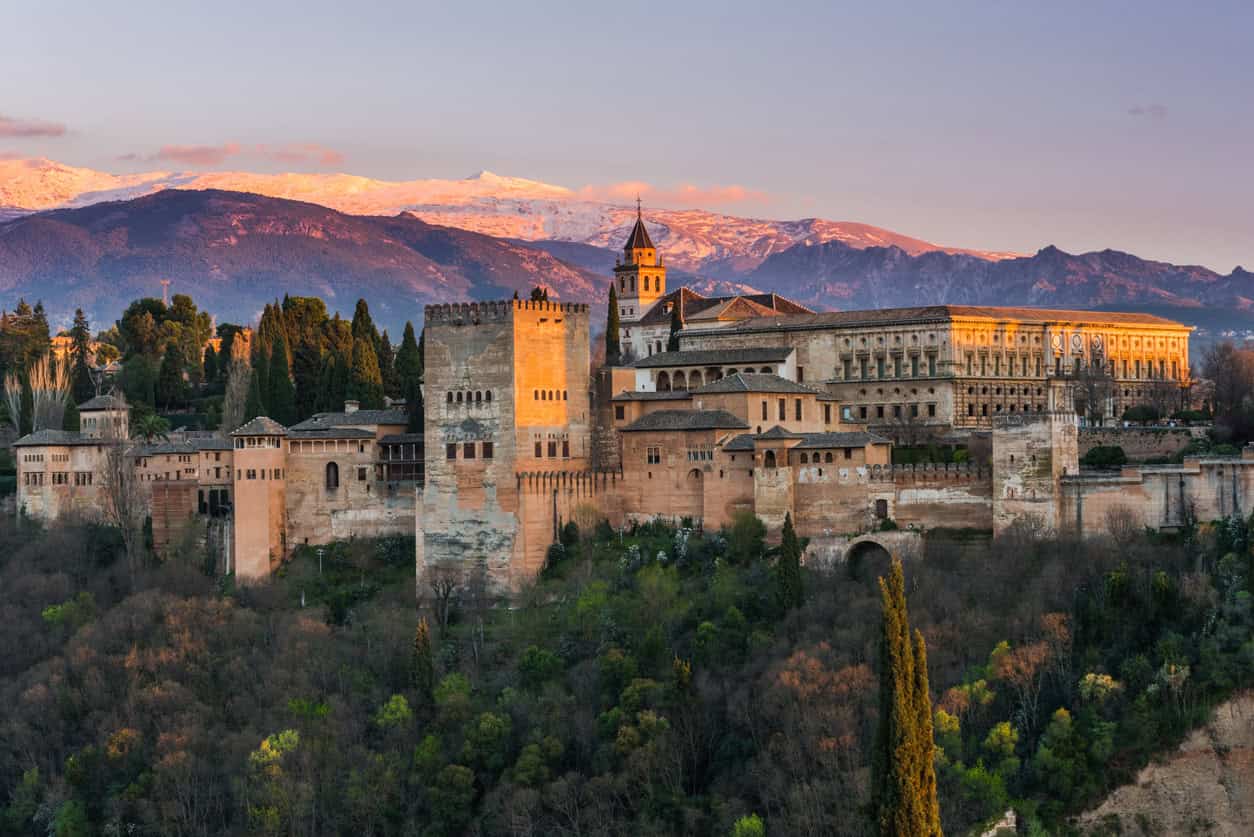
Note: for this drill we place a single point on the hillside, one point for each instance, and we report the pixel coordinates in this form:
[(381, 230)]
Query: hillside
[(234, 251)]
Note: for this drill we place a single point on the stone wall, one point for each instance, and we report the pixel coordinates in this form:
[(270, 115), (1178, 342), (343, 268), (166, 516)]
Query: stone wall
[(1140, 443), (356, 507), (173, 508), (1031, 453)]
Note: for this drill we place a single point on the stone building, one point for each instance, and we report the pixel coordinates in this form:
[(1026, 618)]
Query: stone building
[(954, 366), (507, 412)]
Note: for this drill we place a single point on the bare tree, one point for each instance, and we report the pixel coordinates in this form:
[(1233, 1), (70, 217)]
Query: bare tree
[(238, 376), (1123, 524), (50, 389), (444, 580), (1164, 396), (13, 399), (124, 505), (1091, 389), (1231, 371)]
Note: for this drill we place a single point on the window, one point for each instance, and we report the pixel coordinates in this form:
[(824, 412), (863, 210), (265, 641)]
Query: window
[(553, 450), (827, 413), (783, 409), (862, 412), (879, 367), (653, 456), (468, 450), (846, 368), (487, 450), (931, 365), (565, 449), (361, 474), (619, 412), (539, 451), (60, 478), (252, 474), (797, 408), (879, 410), (931, 410), (764, 416), (450, 451), (848, 453), (801, 374), (332, 476), (881, 509)]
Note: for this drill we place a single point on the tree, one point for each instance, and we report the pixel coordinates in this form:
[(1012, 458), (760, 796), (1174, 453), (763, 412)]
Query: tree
[(82, 385), (677, 323), (423, 663), (281, 400), (149, 426), (211, 364), (1091, 390), (788, 581), (363, 326), (539, 294), (125, 506), (171, 389), (253, 406), (409, 374), (365, 383), (238, 379), (1231, 370), (71, 420), (387, 367), (613, 339), (903, 783)]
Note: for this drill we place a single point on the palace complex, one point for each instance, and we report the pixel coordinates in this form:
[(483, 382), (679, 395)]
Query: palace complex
[(765, 407)]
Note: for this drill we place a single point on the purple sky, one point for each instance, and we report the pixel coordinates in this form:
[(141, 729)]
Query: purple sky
[(994, 125)]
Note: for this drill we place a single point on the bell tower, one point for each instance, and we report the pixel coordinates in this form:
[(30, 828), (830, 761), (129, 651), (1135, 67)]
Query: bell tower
[(639, 274)]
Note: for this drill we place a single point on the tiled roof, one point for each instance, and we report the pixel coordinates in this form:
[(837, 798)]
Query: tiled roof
[(159, 448), (741, 443), (940, 314), (55, 437), (670, 395), (687, 420), (697, 307), (358, 418), (639, 237), (102, 402), (211, 443), (754, 382), (778, 432), (261, 426), (331, 433), (714, 357), (402, 439), (850, 439)]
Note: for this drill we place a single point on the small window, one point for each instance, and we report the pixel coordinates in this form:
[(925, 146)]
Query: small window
[(332, 476), (797, 408), (565, 449), (553, 450), (450, 398), (487, 450), (468, 450), (619, 412), (848, 453), (459, 398), (450, 451), (539, 450), (361, 474)]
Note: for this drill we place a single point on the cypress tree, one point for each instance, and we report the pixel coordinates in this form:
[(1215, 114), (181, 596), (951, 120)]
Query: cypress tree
[(70, 419), (423, 663), (677, 323), (387, 367), (788, 568), (170, 385), (365, 384), (613, 341), (281, 400), (363, 326), (211, 365), (903, 779), (253, 405), (81, 384)]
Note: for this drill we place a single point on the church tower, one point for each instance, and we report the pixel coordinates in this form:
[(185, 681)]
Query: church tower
[(640, 274)]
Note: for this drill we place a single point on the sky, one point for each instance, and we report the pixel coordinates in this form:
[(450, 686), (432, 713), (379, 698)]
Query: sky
[(998, 125)]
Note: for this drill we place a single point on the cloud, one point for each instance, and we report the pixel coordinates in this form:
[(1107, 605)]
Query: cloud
[(1150, 111), (10, 127), (206, 156), (683, 194)]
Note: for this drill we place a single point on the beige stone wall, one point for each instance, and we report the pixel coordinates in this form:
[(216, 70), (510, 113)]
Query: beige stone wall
[(1140, 443), (1031, 453), (46, 497), (360, 506), (260, 533), (173, 509)]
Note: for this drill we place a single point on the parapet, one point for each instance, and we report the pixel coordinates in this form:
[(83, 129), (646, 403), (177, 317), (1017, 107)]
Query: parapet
[(582, 482), (473, 313), (929, 472), (1006, 421)]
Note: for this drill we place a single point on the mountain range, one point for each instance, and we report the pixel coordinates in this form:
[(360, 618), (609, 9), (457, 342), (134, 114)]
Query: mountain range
[(78, 237)]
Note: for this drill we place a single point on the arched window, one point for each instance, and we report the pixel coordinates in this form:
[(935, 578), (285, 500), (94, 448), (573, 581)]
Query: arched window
[(694, 474), (663, 382), (695, 379), (478, 397), (564, 394), (333, 476), (766, 370), (459, 398), (768, 460), (450, 398), (487, 396), (827, 457), (680, 381), (805, 459)]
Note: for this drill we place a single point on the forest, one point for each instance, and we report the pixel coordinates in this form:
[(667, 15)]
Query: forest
[(653, 681)]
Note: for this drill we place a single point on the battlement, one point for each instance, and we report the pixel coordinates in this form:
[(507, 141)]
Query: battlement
[(582, 482), (929, 472), (1011, 420), (497, 311)]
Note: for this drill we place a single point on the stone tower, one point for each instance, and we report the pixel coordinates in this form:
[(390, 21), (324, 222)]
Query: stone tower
[(640, 274), (506, 394), (260, 472), (1032, 452)]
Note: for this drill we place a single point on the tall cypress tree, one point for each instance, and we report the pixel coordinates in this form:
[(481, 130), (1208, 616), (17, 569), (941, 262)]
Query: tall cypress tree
[(423, 663), (387, 367), (363, 326), (613, 339), (903, 778), (281, 400), (81, 384), (170, 385), (788, 568), (211, 365), (253, 405), (677, 323), (365, 384)]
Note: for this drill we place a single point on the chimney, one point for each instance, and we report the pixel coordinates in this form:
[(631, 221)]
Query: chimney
[(352, 406)]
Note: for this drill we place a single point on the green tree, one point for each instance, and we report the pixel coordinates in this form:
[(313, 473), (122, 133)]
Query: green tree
[(139, 380), (422, 664), (903, 778), (365, 384), (149, 426), (211, 364), (253, 405), (281, 400), (790, 590), (749, 826), (613, 338), (82, 387), (387, 367), (409, 374), (677, 323), (363, 326), (171, 388), (70, 420)]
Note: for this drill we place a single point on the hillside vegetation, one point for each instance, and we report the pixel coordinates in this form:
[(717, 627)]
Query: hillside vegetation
[(653, 682)]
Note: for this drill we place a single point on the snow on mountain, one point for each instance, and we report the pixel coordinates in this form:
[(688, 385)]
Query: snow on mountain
[(698, 241)]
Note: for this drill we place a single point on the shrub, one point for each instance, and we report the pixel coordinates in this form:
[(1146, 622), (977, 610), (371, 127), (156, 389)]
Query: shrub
[(1104, 456)]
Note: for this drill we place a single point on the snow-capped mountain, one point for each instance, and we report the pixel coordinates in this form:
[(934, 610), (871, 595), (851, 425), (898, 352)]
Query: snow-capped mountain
[(693, 240)]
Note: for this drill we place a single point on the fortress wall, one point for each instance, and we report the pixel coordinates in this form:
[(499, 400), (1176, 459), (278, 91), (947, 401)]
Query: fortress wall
[(1140, 443)]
